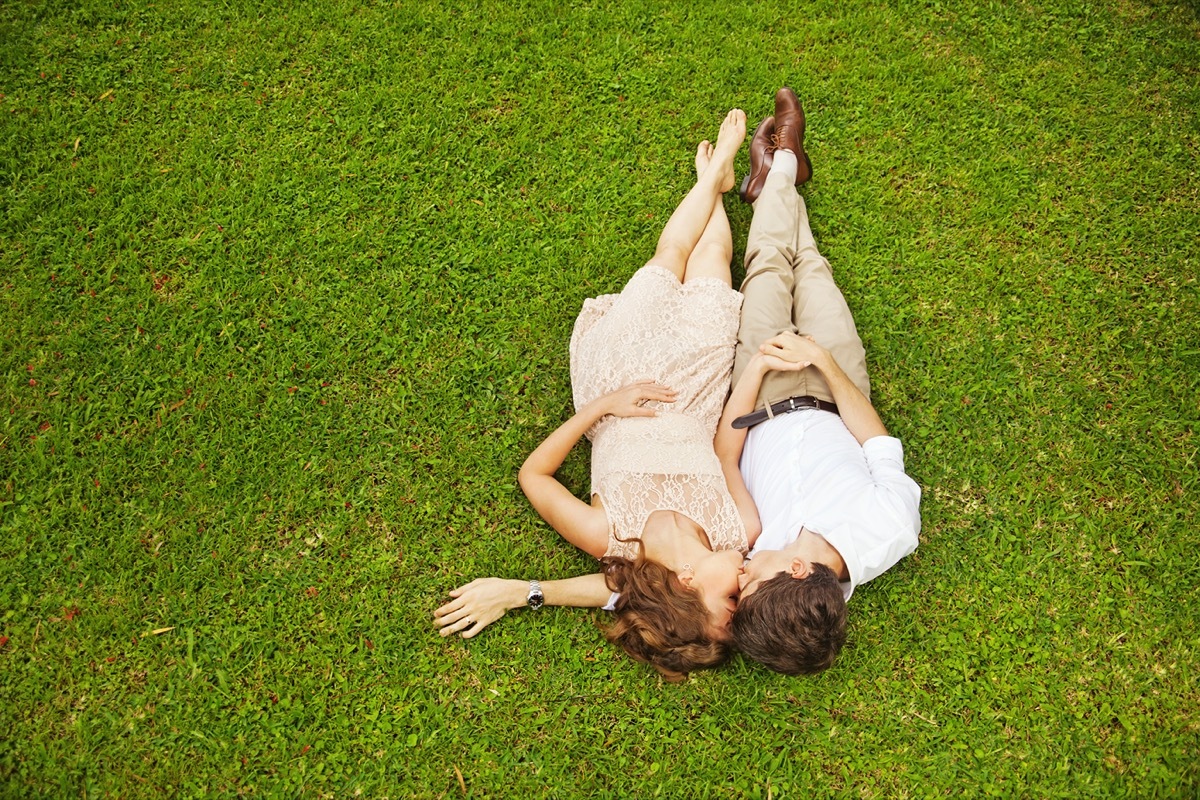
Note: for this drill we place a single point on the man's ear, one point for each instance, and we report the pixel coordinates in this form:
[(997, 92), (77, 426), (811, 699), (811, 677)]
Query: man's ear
[(800, 569)]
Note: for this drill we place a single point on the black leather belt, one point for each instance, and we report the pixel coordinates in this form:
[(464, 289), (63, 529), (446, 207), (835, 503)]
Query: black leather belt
[(784, 407)]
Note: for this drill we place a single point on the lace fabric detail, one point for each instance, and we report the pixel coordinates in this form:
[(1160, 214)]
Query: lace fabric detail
[(681, 335)]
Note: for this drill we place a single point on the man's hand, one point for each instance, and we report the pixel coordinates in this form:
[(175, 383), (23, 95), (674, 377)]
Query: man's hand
[(478, 604), (795, 349), (629, 401), (773, 363), (854, 408)]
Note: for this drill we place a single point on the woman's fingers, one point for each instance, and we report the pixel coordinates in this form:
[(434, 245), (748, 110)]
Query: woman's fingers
[(784, 365), (454, 621), (476, 605), (458, 626), (657, 391), (630, 400), (467, 623), (652, 384), (448, 608), (477, 626)]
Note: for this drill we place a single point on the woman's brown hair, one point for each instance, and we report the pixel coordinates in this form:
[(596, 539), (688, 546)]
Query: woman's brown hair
[(661, 623)]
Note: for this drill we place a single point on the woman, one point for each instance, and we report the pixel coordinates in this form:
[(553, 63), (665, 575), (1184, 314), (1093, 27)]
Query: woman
[(670, 517)]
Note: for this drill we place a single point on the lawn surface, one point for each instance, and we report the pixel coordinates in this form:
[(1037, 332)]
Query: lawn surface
[(285, 298)]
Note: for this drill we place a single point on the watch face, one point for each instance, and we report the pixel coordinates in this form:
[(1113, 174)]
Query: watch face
[(536, 600)]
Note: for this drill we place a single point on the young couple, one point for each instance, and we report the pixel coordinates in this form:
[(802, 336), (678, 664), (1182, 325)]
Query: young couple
[(796, 473)]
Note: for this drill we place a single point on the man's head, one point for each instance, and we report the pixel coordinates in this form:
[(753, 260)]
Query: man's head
[(791, 614)]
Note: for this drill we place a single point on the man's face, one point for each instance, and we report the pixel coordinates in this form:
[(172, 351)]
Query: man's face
[(762, 567)]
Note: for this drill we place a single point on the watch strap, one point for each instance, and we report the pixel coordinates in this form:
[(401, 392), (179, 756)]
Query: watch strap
[(535, 599)]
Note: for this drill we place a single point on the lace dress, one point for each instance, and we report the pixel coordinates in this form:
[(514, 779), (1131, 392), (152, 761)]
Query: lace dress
[(681, 335)]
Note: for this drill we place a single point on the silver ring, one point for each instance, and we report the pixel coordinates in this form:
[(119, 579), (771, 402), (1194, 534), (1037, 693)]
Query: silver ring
[(468, 621)]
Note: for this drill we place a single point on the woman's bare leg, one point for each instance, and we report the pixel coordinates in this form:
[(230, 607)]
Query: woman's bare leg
[(713, 254), (690, 219)]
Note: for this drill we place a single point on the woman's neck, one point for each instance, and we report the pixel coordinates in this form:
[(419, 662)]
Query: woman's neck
[(673, 540)]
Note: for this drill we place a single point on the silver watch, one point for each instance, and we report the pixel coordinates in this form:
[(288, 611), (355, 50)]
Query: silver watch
[(535, 599)]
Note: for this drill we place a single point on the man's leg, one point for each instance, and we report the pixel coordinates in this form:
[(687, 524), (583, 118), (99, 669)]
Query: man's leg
[(772, 248), (820, 310), (789, 287)]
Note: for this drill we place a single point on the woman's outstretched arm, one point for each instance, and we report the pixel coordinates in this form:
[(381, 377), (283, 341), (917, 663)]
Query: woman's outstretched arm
[(481, 602), (581, 524)]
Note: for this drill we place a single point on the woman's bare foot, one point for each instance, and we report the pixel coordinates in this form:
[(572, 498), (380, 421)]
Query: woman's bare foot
[(704, 153), (729, 141)]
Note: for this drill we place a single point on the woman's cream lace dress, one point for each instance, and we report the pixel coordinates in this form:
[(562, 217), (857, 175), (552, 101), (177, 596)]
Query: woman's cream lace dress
[(683, 336)]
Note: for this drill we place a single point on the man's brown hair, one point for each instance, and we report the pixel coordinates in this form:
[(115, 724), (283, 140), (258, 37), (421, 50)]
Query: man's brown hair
[(796, 626), (661, 623)]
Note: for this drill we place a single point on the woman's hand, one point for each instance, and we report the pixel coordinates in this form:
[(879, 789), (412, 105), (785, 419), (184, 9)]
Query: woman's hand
[(630, 401), (790, 351), (478, 604)]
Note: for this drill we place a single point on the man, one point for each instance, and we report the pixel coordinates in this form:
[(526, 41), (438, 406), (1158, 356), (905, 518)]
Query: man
[(835, 504), (836, 507)]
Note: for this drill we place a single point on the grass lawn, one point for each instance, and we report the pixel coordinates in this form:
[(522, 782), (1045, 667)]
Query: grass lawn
[(284, 302)]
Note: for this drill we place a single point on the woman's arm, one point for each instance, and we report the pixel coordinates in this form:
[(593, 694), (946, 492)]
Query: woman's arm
[(481, 602), (581, 524), (730, 441)]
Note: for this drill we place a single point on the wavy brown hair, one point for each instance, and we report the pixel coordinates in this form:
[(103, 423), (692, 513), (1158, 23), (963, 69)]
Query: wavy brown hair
[(661, 623), (794, 626)]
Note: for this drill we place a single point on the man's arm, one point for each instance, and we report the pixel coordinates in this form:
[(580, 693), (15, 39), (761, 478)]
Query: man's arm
[(855, 409), (483, 601)]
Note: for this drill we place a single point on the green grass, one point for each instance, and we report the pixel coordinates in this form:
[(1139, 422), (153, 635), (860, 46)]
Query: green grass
[(285, 298)]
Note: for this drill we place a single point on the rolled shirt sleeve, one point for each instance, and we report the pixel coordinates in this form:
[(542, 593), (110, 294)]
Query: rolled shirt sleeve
[(886, 522)]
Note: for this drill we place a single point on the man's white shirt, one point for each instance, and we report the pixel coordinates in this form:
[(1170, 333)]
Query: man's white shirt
[(806, 470)]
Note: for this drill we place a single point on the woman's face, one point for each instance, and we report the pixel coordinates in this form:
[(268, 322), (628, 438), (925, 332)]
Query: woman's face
[(716, 579)]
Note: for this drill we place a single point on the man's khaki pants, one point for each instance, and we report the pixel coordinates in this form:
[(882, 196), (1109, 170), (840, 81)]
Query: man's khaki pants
[(789, 287)]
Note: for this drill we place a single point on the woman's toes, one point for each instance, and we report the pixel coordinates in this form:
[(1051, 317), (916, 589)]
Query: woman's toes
[(733, 130), (704, 152)]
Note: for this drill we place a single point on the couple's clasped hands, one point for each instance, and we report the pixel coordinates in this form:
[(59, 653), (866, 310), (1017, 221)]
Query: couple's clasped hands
[(791, 352)]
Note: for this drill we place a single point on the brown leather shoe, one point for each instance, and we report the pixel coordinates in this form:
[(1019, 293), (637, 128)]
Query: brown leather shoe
[(762, 145), (789, 131)]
